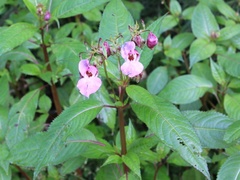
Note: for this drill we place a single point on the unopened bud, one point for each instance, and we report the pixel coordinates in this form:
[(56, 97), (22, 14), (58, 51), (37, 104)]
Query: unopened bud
[(139, 41), (47, 16), (40, 9), (107, 48), (152, 40)]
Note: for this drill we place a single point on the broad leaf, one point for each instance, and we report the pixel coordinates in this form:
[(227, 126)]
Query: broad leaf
[(226, 10), (20, 116), (229, 32), (230, 63), (31, 69), (4, 91), (109, 172), (133, 162), (15, 35), (218, 73), (168, 124), (232, 105), (230, 169), (233, 132), (115, 21), (65, 129), (71, 165), (185, 89), (201, 49), (168, 22), (183, 40), (157, 80), (3, 122), (203, 22), (72, 8), (175, 8), (210, 127)]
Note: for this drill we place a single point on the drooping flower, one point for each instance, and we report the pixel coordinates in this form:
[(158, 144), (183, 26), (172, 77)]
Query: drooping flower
[(152, 40), (47, 16), (131, 67), (89, 83)]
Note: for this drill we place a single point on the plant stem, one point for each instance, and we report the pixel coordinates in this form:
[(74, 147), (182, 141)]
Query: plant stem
[(53, 87), (122, 128)]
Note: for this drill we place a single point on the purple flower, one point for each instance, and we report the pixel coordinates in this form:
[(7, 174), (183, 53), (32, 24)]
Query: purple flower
[(47, 16), (131, 67), (89, 83), (139, 41), (152, 40), (107, 47)]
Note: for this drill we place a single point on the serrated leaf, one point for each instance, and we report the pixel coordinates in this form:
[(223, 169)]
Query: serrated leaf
[(15, 35), (203, 22), (68, 9), (210, 127), (66, 127), (168, 124), (20, 116), (230, 63), (185, 89), (218, 73), (30, 69), (201, 49), (115, 21), (4, 91), (133, 162), (157, 80), (233, 132), (230, 169), (232, 105)]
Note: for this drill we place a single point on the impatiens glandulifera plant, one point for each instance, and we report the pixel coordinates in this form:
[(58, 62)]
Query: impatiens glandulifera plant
[(90, 91)]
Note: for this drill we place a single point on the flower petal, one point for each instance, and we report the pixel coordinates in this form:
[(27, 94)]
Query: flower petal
[(126, 48), (83, 66), (132, 68), (89, 86)]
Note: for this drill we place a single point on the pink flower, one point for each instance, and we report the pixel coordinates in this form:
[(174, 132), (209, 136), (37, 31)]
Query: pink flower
[(152, 40), (139, 41), (47, 16), (89, 83), (131, 67)]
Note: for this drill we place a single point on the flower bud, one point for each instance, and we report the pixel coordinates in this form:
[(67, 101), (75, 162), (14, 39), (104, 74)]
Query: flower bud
[(40, 9), (139, 41), (152, 40), (107, 48), (47, 16)]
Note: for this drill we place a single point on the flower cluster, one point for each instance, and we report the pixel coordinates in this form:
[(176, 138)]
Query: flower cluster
[(90, 82)]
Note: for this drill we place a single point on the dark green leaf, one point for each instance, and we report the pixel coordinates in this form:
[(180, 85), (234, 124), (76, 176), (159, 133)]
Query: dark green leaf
[(183, 40), (133, 162), (168, 124), (233, 132), (4, 91), (210, 127), (3, 121), (109, 172), (232, 105)]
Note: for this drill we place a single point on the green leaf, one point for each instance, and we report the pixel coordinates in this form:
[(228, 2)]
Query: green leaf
[(230, 63), (45, 103), (175, 8), (232, 105), (210, 127), (113, 159), (134, 8), (168, 22), (226, 10), (3, 122), (20, 116), (71, 165), (183, 40), (4, 175), (133, 162), (218, 73), (4, 91), (93, 15), (168, 124), (15, 35), (31, 69), (201, 49), (203, 22), (185, 89), (157, 80), (64, 31), (229, 32), (109, 172), (230, 169), (68, 9), (233, 132), (59, 143), (106, 115), (32, 7), (116, 19)]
